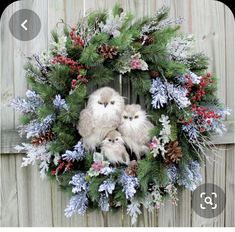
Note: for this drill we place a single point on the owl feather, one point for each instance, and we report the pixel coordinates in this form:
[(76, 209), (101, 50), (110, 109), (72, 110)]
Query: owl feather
[(135, 129), (85, 125), (102, 115), (113, 148)]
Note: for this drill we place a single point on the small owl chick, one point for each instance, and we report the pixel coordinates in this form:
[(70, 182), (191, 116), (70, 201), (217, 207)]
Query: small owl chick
[(102, 115), (135, 128), (113, 148)]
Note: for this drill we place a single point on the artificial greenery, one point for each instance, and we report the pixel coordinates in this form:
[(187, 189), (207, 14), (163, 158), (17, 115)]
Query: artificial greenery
[(75, 66)]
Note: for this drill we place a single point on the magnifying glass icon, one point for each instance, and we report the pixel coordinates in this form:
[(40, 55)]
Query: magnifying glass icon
[(208, 201)]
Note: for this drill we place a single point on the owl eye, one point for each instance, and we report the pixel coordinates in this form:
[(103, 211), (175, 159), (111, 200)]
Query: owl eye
[(125, 117), (116, 139), (100, 102), (112, 102), (136, 116), (110, 140)]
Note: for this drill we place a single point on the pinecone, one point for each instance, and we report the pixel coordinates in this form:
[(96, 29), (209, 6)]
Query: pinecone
[(131, 170), (107, 51), (146, 40), (154, 74), (173, 152), (48, 136), (149, 40)]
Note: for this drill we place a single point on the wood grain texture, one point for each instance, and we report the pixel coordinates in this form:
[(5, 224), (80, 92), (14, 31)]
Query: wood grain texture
[(9, 200), (230, 86), (26, 200)]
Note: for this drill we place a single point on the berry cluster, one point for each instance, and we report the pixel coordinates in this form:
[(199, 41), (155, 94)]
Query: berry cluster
[(188, 84), (80, 79), (197, 91), (202, 117), (64, 166), (74, 66), (78, 41), (205, 80)]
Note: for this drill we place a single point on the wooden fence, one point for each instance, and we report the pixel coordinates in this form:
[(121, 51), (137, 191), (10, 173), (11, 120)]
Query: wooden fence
[(26, 200)]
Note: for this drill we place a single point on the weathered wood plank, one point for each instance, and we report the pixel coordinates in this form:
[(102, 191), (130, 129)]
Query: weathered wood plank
[(9, 139), (40, 199), (219, 178), (59, 201), (230, 84), (7, 72), (196, 220), (9, 201), (230, 186), (23, 193)]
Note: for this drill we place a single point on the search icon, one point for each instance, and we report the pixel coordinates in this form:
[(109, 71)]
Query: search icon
[(208, 201)]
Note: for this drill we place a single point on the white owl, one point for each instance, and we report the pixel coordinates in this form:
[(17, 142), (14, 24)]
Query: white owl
[(135, 128), (113, 148), (102, 115)]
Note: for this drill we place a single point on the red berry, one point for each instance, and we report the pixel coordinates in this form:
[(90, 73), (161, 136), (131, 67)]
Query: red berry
[(53, 172), (202, 129)]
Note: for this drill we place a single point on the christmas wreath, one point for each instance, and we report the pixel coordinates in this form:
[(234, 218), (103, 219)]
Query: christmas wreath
[(109, 154)]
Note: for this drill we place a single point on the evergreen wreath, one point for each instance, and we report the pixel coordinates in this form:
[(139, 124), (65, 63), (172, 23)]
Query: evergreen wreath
[(180, 100)]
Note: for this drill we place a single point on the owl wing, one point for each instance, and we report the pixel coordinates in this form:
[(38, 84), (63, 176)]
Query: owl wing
[(144, 135), (125, 156), (85, 126), (149, 127)]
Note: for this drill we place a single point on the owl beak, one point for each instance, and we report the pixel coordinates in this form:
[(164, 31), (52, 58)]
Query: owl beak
[(105, 104), (131, 118)]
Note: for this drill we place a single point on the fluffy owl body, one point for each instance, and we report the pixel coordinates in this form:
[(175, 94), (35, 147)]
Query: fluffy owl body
[(135, 128), (113, 148), (102, 115)]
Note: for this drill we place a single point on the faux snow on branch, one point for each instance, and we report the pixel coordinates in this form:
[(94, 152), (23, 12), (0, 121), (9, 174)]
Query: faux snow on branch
[(59, 47), (60, 103), (107, 186), (180, 48), (133, 209), (113, 24), (35, 128), (189, 177), (36, 154), (77, 154), (157, 145), (77, 204), (79, 183), (28, 105), (104, 202), (163, 92), (129, 184), (178, 94)]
